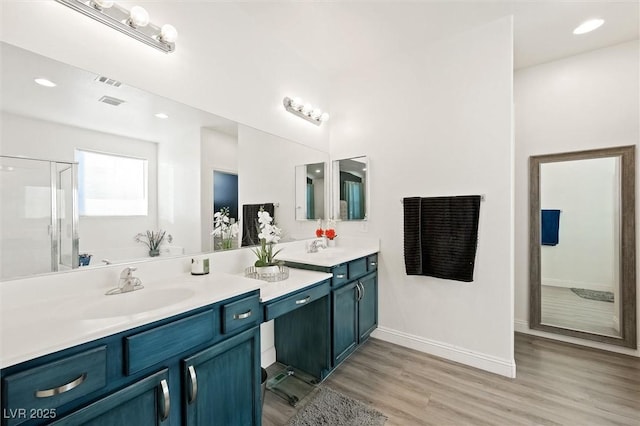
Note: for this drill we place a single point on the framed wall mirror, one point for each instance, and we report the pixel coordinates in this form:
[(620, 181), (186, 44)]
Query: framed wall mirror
[(582, 244), (310, 191), (350, 182)]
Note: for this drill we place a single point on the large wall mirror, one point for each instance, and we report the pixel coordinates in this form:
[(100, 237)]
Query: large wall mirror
[(311, 188), (350, 181), (90, 162), (582, 245)]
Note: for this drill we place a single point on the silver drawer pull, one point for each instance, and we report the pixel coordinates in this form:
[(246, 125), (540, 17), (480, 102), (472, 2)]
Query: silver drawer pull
[(303, 301), (194, 384), (373, 264), (166, 401), (340, 276), (242, 316), (62, 389)]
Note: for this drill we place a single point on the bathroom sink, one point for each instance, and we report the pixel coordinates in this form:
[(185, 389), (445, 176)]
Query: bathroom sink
[(136, 302)]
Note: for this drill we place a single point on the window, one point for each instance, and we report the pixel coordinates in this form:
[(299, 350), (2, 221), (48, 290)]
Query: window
[(111, 185)]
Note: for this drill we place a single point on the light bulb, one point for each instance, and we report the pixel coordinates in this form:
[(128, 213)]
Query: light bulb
[(296, 103), (101, 4), (307, 108), (168, 33), (324, 117), (161, 115), (138, 17), (588, 26), (316, 113), (44, 82)]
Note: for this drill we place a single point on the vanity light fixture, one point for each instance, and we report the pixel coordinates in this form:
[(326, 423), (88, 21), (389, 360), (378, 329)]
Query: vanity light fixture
[(44, 82), (305, 110), (134, 23), (588, 26)]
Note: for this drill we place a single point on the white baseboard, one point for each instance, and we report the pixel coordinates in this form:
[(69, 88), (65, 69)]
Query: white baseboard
[(268, 357), (485, 362)]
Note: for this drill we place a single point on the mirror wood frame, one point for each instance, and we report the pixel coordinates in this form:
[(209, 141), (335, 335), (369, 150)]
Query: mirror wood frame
[(628, 333)]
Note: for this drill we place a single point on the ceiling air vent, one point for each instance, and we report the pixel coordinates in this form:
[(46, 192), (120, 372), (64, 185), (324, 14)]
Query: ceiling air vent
[(111, 101), (108, 81)]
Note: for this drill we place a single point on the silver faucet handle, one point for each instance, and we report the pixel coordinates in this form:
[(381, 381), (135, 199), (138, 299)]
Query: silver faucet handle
[(127, 273)]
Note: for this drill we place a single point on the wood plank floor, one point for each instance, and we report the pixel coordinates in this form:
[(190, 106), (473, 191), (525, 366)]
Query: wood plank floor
[(557, 384), (564, 308)]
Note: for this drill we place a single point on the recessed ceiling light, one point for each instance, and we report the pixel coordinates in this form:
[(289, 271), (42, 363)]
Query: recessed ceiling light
[(588, 26), (162, 115), (44, 82)]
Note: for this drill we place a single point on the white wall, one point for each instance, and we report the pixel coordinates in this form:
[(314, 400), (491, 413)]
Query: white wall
[(223, 63), (219, 152), (103, 237), (437, 121), (266, 174), (586, 101)]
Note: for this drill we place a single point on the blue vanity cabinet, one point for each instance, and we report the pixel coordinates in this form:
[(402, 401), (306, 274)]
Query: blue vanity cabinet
[(142, 376), (354, 303), (345, 321), (222, 383), (146, 402), (303, 329)]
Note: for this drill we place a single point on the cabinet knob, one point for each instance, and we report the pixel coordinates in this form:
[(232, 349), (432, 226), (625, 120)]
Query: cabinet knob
[(340, 276)]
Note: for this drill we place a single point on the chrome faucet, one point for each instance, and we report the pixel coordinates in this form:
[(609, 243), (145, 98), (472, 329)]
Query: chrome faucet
[(127, 282), (315, 245)]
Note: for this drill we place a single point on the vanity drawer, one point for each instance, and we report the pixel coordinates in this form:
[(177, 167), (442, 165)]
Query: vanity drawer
[(340, 275), (372, 263), (150, 347), (357, 268), (302, 298), (241, 314), (54, 384)]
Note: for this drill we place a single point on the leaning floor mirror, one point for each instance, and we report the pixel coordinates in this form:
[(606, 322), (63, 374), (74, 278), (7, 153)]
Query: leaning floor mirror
[(582, 245)]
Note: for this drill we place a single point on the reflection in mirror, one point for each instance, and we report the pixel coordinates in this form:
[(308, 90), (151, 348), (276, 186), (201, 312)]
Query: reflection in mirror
[(310, 191), (583, 250), (350, 188), (137, 171)]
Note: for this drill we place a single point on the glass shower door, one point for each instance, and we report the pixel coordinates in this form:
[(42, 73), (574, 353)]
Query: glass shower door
[(38, 217), (25, 243)]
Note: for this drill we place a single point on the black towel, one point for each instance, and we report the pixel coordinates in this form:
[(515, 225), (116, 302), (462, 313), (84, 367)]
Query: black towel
[(441, 236), (549, 227), (250, 226)]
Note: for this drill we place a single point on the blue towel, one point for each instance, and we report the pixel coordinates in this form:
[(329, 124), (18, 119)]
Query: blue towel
[(550, 225)]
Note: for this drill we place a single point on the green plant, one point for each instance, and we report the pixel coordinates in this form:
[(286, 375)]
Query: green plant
[(153, 239)]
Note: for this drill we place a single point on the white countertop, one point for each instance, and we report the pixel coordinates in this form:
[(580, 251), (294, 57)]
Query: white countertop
[(46, 326), (328, 257), (298, 279)]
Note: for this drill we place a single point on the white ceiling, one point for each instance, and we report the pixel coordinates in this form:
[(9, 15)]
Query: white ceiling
[(74, 101), (332, 37), (335, 36)]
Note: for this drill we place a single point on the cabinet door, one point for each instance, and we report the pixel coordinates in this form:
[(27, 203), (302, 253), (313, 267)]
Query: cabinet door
[(367, 306), (144, 403), (345, 327), (222, 383)]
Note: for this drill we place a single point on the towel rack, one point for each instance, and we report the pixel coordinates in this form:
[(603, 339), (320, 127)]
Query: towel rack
[(482, 198)]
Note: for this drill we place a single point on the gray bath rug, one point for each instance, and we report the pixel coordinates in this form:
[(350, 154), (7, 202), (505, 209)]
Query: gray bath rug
[(329, 407), (601, 296)]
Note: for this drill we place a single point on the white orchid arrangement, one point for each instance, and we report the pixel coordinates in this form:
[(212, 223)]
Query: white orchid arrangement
[(223, 228), (269, 236)]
